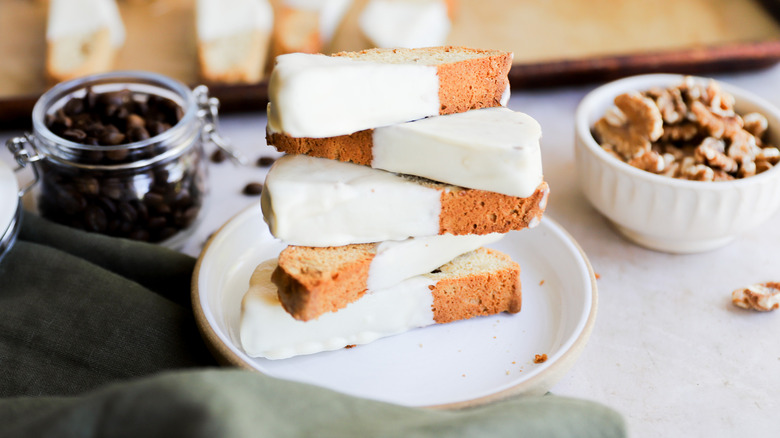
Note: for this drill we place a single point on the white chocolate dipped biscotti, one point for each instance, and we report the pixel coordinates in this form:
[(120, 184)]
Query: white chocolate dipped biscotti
[(325, 96), (315, 280), (492, 149), (481, 282), (312, 201)]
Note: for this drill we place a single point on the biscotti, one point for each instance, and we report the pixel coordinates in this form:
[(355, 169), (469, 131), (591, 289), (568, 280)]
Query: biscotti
[(481, 282), (325, 96), (82, 37), (312, 201), (315, 280), (492, 149), (233, 39), (406, 23), (296, 31), (306, 26)]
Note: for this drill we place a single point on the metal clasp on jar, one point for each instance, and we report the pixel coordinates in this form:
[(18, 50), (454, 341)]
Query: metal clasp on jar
[(18, 147), (208, 113)]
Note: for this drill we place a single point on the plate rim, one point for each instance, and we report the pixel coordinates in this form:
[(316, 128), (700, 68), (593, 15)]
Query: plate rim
[(227, 357)]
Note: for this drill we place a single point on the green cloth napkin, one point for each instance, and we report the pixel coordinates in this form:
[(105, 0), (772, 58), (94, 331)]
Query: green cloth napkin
[(97, 339)]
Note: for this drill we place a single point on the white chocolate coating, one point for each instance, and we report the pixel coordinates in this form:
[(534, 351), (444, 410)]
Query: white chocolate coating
[(321, 96), (312, 201), (221, 18), (396, 261), (83, 17), (493, 149), (267, 330), (405, 23)]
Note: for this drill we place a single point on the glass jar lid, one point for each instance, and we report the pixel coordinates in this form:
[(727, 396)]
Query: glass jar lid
[(10, 208)]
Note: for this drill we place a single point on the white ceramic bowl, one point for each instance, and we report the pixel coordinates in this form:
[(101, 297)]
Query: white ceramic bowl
[(667, 214)]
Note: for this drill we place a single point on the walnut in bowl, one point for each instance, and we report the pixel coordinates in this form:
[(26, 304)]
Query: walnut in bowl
[(678, 164)]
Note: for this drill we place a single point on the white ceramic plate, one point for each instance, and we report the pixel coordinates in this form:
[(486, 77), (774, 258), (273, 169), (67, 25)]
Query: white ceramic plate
[(9, 199), (451, 365)]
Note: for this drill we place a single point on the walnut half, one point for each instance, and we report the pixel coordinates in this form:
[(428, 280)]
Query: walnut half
[(762, 297)]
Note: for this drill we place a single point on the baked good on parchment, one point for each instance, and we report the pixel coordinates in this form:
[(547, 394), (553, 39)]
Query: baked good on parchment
[(306, 26), (82, 37), (233, 39), (407, 23)]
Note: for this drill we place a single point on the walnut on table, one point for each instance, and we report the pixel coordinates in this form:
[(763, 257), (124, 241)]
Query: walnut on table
[(762, 297), (689, 131)]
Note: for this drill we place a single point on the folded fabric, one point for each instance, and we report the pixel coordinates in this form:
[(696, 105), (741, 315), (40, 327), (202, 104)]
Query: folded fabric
[(79, 310), (235, 403), (97, 339)]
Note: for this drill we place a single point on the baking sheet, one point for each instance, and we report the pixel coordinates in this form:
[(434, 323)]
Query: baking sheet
[(555, 42)]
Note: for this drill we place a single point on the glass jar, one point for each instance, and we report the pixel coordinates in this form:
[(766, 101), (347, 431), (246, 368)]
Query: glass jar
[(152, 186)]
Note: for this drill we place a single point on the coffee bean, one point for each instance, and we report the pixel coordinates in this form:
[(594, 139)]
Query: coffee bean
[(265, 161), (117, 154), (74, 106), (87, 185), (107, 205), (138, 133), (127, 212), (253, 189), (112, 188), (162, 209), (121, 113), (161, 177), (95, 219), (141, 210), (182, 198), (156, 222), (112, 138), (218, 156), (153, 199), (70, 201)]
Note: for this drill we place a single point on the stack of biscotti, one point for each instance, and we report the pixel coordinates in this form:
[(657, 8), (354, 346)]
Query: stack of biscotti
[(401, 164)]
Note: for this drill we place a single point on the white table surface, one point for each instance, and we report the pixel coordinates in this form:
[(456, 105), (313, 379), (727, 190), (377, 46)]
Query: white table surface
[(669, 351)]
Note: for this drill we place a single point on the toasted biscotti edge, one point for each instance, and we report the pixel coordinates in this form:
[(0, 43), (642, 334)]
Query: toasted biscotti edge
[(312, 281), (472, 211), (353, 148), (493, 288)]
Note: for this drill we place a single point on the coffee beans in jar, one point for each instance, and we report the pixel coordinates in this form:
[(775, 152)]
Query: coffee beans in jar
[(122, 154)]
